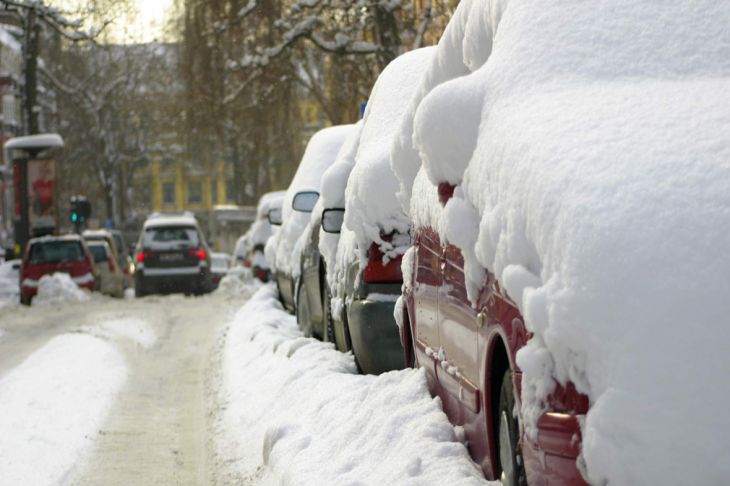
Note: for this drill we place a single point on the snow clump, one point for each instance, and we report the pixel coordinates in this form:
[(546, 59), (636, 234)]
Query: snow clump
[(58, 288)]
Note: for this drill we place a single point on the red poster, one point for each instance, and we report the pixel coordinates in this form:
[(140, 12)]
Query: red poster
[(41, 193)]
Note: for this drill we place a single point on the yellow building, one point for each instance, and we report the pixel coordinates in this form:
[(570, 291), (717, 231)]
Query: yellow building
[(176, 187)]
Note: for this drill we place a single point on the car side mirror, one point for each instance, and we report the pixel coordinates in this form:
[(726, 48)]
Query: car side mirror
[(332, 220), (275, 217), (305, 201)]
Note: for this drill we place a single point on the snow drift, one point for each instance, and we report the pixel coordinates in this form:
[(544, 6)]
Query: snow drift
[(298, 403)]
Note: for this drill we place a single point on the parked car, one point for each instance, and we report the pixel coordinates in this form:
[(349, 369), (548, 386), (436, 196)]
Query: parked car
[(366, 271), (112, 277), (219, 263), (313, 309), (172, 255), (300, 198), (119, 249), (250, 247), (56, 254)]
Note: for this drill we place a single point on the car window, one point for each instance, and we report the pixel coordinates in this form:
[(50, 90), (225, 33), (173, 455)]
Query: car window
[(99, 253), (170, 234), (56, 252)]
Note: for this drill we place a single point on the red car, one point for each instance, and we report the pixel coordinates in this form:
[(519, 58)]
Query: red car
[(56, 254), (469, 358)]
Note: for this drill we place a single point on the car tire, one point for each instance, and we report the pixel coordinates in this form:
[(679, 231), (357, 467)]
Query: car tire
[(329, 325), (348, 340), (139, 289), (508, 436), (25, 300), (304, 320)]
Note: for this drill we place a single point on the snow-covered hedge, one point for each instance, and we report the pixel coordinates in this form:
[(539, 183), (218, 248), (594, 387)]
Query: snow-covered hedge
[(591, 149)]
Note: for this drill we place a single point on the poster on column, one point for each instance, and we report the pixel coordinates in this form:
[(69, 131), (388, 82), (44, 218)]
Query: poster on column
[(42, 194)]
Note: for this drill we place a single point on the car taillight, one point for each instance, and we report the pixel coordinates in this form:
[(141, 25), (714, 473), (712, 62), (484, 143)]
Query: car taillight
[(198, 252), (378, 272), (140, 257), (568, 399)]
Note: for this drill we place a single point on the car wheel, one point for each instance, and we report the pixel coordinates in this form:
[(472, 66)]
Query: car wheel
[(510, 456), (302, 311), (329, 326), (25, 300)]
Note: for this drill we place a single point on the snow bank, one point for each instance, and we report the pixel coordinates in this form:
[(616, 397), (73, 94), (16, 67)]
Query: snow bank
[(9, 286), (53, 405), (319, 155), (592, 153), (58, 288), (237, 284), (298, 403), (136, 330)]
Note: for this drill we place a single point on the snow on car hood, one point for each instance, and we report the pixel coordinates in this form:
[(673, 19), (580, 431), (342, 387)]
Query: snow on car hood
[(595, 167)]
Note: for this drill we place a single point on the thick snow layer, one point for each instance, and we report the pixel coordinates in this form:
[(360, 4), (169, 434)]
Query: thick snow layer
[(334, 182), (298, 403), (319, 155), (372, 206), (594, 153), (463, 48), (58, 288), (9, 284), (136, 330), (53, 405)]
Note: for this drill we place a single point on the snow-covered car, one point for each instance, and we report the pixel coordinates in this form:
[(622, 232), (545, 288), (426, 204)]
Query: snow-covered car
[(365, 275), (172, 255), (568, 183), (313, 299), (250, 247), (300, 198), (56, 254), (219, 263), (111, 276)]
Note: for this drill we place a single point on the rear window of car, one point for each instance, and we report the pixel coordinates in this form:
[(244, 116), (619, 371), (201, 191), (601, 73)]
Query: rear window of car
[(99, 253), (56, 252), (171, 234)]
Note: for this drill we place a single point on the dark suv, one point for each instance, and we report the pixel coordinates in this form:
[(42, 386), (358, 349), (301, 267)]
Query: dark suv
[(172, 256)]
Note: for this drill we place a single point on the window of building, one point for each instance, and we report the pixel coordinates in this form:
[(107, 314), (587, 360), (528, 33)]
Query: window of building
[(214, 191), (230, 191), (195, 192), (168, 193)]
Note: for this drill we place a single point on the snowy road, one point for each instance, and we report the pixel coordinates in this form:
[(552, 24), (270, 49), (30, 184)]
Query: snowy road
[(153, 427)]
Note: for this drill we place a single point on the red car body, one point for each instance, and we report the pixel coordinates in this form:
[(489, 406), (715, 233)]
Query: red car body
[(466, 350), (80, 267)]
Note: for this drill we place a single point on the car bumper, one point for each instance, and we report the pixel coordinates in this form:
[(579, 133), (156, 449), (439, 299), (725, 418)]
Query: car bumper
[(553, 457), (374, 335), (181, 281)]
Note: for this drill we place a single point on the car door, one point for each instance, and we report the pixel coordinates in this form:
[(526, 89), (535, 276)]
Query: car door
[(458, 371), (425, 298)]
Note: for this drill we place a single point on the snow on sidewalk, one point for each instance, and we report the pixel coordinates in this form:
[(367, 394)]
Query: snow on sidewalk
[(53, 405), (297, 405)]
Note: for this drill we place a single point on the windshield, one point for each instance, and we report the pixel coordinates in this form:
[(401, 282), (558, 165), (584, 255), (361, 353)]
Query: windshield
[(162, 235), (56, 252), (99, 253)]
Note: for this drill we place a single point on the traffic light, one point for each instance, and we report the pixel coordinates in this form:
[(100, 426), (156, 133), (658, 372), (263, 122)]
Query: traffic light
[(80, 209)]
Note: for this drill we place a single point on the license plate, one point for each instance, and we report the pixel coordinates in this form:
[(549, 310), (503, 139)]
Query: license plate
[(171, 257)]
